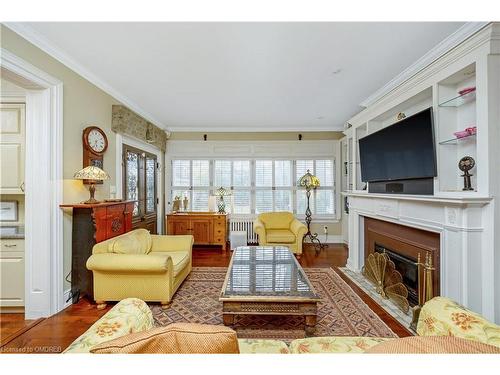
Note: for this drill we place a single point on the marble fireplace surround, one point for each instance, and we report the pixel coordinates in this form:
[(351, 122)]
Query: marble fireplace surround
[(466, 268)]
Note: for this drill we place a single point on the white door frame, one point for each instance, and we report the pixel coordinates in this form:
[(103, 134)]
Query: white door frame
[(44, 294), (122, 139)]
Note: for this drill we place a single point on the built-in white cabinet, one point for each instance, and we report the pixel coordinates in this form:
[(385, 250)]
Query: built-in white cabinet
[(12, 273), (12, 148)]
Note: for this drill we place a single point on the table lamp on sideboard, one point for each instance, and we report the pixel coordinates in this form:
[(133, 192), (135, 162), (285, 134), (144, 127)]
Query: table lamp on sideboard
[(92, 174)]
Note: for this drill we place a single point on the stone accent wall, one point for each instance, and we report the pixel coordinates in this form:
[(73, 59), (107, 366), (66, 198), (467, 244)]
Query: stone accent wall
[(127, 122)]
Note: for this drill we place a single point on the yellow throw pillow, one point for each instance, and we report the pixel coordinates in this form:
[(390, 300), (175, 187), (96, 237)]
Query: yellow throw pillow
[(136, 242), (176, 338)]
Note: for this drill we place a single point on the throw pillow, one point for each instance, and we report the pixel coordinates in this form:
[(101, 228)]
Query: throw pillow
[(176, 338)]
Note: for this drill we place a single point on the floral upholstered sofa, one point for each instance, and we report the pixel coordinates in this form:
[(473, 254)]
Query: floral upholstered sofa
[(439, 317)]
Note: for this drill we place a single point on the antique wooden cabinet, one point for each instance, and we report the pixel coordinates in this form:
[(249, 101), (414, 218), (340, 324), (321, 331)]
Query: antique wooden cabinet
[(94, 223), (207, 228)]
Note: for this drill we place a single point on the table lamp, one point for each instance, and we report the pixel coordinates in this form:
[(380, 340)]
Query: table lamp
[(93, 174), (221, 193)]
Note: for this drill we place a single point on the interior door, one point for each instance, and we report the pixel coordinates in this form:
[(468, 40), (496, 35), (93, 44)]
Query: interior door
[(140, 173)]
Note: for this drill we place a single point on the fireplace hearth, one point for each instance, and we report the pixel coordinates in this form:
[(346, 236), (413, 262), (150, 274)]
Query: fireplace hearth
[(414, 253)]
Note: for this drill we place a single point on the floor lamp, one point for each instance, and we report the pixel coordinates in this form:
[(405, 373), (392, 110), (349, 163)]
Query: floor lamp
[(310, 182)]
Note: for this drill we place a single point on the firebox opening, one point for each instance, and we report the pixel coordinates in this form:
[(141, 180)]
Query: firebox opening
[(408, 269)]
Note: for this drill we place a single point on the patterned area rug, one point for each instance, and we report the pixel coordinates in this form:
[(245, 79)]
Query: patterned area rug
[(340, 313)]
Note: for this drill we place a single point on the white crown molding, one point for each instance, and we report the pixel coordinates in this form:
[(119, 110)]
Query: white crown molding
[(464, 32), (48, 47)]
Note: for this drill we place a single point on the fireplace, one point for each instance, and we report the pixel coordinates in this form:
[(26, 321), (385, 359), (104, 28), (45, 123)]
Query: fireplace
[(407, 248)]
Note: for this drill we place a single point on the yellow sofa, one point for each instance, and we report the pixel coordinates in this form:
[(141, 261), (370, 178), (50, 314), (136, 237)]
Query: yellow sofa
[(439, 317), (138, 264), (280, 229)]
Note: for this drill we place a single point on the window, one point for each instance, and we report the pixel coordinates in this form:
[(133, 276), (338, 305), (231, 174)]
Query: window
[(257, 186), (322, 199), (235, 174), (191, 179)]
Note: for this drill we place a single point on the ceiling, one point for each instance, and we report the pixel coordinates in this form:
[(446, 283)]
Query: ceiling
[(243, 76)]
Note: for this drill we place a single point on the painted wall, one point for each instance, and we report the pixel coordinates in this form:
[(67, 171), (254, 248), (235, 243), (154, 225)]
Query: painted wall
[(84, 105)]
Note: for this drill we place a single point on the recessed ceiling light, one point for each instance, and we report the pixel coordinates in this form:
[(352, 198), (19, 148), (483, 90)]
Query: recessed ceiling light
[(336, 71)]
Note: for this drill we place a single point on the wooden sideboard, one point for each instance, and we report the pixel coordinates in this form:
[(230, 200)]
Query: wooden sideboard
[(207, 228), (94, 223)]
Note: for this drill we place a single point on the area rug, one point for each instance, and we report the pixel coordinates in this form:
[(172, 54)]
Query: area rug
[(340, 313)]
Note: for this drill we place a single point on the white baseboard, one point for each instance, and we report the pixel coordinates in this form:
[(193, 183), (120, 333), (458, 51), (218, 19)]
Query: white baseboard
[(67, 292)]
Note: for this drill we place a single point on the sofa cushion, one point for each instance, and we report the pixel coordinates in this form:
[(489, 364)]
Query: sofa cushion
[(280, 236), (180, 259), (277, 220), (262, 346), (334, 344), (433, 345), (176, 338), (129, 263), (127, 316), (135, 242)]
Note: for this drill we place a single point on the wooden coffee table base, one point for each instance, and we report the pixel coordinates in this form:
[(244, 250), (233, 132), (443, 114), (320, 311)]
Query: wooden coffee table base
[(307, 309)]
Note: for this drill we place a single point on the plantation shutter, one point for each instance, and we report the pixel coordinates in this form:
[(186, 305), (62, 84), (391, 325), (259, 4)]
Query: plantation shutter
[(263, 185)]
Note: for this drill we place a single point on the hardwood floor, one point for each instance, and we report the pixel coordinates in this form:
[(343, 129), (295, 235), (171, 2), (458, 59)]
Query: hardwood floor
[(54, 334)]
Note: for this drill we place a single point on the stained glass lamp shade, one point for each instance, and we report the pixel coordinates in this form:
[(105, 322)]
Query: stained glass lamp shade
[(221, 193), (309, 181), (93, 174)]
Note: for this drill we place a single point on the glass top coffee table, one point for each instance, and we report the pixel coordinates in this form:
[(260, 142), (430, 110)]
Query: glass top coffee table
[(267, 280)]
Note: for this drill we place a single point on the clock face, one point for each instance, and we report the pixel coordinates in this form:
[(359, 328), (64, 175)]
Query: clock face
[(96, 141)]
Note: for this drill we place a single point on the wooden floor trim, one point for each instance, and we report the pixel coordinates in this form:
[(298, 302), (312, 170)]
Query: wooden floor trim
[(5, 340)]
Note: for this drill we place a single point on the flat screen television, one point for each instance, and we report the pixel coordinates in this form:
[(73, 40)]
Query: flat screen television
[(402, 151)]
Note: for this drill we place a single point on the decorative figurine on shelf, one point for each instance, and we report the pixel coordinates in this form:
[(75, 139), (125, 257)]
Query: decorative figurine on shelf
[(176, 205), (465, 165), (185, 203)]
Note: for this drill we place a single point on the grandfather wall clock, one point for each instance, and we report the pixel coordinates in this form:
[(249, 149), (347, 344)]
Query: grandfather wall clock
[(95, 144)]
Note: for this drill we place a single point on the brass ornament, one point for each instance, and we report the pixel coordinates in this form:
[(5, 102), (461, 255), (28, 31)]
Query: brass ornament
[(381, 271)]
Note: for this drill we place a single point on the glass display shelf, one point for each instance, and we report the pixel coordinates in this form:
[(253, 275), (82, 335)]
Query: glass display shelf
[(460, 100), (456, 140)]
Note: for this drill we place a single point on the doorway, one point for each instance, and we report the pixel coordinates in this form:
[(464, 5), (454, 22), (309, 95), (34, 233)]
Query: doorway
[(42, 187), (140, 176)]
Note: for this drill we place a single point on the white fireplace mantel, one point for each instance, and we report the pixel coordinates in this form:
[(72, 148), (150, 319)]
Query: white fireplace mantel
[(467, 255)]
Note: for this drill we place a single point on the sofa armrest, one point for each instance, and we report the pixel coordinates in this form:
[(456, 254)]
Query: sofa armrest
[(299, 229), (161, 243), (443, 317), (260, 229), (129, 263), (127, 316)]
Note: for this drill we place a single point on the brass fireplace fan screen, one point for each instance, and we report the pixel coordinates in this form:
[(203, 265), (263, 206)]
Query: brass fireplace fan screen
[(381, 271)]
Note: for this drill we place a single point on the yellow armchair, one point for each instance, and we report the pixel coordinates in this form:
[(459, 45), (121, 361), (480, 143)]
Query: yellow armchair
[(280, 229), (137, 264)]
